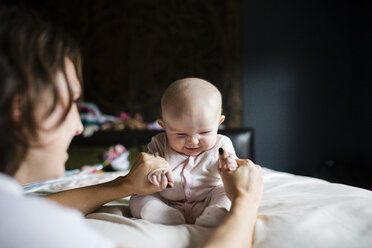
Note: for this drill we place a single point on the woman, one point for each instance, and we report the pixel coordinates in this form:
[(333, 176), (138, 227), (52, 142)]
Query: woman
[(40, 75)]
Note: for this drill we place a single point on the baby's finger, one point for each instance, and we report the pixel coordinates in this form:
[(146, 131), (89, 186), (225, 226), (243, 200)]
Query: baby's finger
[(230, 163), (232, 166), (164, 181), (169, 176), (154, 180), (159, 176)]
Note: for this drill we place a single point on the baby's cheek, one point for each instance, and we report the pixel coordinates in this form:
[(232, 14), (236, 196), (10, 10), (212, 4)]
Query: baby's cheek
[(176, 144), (210, 142)]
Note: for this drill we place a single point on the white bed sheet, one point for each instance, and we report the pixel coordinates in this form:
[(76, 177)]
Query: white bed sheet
[(295, 212)]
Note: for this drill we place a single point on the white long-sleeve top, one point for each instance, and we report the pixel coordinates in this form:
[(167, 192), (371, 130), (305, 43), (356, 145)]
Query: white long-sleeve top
[(36, 222)]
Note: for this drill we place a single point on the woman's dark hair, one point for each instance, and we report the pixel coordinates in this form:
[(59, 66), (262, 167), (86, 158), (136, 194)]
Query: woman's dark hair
[(32, 52)]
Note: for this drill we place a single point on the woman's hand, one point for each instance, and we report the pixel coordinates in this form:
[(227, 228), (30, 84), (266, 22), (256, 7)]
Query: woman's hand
[(137, 178), (245, 180), (87, 199), (243, 185)]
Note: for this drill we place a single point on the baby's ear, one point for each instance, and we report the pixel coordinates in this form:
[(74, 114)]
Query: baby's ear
[(161, 123), (222, 118)]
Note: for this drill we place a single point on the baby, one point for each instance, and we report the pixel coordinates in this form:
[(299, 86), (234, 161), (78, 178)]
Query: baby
[(191, 114)]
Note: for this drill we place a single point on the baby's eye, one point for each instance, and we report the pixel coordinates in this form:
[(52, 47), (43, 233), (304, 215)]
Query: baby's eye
[(180, 134), (205, 132)]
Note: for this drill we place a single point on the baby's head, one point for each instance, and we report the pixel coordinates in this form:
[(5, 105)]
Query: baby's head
[(191, 113)]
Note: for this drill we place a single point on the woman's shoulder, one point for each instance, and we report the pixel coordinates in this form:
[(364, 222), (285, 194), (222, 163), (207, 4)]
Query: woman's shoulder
[(43, 223), (29, 206)]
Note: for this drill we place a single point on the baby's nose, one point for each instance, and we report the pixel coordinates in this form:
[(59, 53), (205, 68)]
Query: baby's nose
[(194, 140)]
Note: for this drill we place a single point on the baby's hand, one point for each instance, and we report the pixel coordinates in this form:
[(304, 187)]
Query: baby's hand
[(161, 177), (227, 161), (137, 178), (246, 180)]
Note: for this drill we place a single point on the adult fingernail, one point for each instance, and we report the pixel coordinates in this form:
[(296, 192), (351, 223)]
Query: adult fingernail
[(220, 150)]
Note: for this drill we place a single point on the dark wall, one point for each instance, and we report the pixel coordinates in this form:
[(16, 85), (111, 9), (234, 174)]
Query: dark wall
[(307, 86), (132, 50)]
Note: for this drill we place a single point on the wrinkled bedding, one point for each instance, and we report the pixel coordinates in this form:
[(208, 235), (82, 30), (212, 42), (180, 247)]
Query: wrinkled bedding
[(295, 211)]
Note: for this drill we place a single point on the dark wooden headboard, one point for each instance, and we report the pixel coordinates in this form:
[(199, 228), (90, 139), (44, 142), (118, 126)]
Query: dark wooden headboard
[(242, 139)]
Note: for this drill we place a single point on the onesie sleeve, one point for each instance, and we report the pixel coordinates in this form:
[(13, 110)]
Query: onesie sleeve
[(157, 144), (227, 145)]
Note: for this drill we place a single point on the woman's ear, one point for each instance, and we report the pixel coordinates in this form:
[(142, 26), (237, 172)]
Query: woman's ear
[(222, 118), (161, 123)]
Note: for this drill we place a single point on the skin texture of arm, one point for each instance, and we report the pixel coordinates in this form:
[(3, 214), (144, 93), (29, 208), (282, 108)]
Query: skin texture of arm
[(88, 199), (238, 228), (244, 188)]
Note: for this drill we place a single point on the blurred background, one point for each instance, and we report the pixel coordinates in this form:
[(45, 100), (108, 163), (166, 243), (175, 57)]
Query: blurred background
[(298, 73)]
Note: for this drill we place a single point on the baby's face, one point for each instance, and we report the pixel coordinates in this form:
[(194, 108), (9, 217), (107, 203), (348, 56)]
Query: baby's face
[(192, 134)]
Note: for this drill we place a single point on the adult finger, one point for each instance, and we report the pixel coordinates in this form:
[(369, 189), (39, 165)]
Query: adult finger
[(139, 158), (222, 152), (243, 161), (222, 158)]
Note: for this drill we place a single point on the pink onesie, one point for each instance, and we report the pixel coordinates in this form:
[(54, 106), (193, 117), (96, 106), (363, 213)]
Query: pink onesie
[(198, 195)]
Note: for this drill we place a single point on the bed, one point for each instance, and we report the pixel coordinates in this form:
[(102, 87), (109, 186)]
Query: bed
[(295, 211)]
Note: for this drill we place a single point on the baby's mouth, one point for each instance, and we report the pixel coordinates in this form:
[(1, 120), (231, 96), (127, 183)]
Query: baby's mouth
[(192, 149)]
